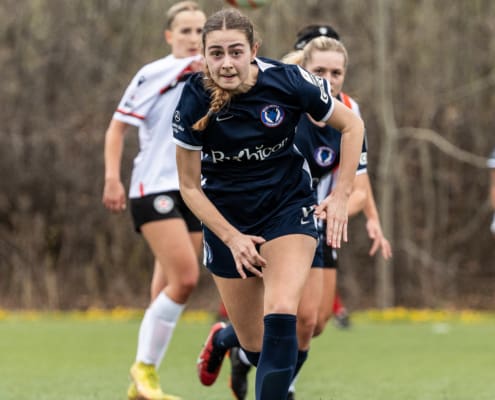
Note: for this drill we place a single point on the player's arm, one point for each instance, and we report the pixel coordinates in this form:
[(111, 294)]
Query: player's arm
[(114, 192), (373, 225), (242, 246), (335, 206)]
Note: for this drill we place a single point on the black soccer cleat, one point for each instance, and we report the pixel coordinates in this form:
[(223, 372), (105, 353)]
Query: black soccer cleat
[(238, 375)]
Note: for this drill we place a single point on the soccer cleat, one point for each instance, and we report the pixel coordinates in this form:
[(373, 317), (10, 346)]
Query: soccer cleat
[(210, 359), (145, 384), (238, 374), (291, 396), (342, 319), (132, 393)]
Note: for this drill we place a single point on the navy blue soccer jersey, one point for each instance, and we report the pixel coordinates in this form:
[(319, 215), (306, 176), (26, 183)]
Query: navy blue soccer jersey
[(321, 148), (250, 166)]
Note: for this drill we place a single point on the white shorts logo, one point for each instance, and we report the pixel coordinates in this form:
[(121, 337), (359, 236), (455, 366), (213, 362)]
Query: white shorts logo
[(363, 160), (163, 204)]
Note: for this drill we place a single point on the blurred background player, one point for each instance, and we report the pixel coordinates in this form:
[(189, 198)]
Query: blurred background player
[(172, 232)]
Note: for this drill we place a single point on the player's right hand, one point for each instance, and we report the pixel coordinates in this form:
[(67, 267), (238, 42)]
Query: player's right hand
[(246, 256), (114, 195)]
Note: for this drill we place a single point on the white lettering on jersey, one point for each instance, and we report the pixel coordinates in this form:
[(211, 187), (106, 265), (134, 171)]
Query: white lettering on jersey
[(317, 81), (259, 153)]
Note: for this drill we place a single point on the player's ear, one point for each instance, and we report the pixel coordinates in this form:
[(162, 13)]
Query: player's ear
[(254, 50), (167, 34)]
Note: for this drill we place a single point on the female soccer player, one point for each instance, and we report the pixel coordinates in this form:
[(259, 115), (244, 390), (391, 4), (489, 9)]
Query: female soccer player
[(241, 175), (159, 213), (320, 144)]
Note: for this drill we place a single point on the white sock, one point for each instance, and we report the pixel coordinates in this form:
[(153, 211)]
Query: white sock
[(243, 358), (156, 329)]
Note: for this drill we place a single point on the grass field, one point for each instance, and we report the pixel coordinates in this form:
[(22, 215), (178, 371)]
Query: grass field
[(54, 358)]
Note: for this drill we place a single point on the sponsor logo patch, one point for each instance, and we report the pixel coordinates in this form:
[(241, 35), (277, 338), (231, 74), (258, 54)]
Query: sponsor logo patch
[(177, 116)]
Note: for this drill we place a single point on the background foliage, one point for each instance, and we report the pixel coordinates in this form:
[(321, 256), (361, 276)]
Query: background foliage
[(422, 72)]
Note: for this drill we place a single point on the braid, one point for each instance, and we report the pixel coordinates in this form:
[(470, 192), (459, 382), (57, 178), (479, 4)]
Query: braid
[(219, 98)]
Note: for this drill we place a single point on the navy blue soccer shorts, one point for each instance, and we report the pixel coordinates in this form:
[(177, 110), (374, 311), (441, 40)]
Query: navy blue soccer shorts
[(325, 256), (291, 220), (160, 206)]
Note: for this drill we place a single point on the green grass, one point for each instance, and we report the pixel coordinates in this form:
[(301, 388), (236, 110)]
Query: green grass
[(51, 358)]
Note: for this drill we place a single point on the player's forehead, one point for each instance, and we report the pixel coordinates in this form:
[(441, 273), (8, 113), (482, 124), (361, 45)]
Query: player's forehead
[(328, 59), (188, 18), (226, 38)]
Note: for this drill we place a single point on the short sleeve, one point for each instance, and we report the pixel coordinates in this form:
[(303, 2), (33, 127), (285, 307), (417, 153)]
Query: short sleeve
[(313, 92), (137, 101), (192, 106)]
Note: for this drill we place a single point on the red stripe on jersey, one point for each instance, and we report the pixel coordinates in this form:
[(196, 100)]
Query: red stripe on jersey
[(130, 114), (141, 189), (182, 76), (346, 99)]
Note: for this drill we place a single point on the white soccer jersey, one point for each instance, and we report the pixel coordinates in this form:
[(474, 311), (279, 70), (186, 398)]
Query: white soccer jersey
[(148, 103)]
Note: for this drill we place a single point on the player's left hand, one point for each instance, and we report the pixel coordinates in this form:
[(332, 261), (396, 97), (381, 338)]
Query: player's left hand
[(379, 241), (334, 209)]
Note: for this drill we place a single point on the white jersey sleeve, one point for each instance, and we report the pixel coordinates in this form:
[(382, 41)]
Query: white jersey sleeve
[(148, 103)]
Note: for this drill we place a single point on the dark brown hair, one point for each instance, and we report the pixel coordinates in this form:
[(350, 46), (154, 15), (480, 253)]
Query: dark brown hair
[(228, 18)]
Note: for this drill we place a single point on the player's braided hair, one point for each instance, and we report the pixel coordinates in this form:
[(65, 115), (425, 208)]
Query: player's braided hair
[(219, 98), (228, 18)]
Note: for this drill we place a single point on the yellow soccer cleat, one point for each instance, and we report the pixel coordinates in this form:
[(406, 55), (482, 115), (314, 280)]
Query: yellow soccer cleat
[(132, 393), (145, 384)]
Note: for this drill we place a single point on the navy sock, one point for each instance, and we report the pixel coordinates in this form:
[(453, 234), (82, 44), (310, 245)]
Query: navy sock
[(278, 357), (302, 356), (226, 338), (252, 356)]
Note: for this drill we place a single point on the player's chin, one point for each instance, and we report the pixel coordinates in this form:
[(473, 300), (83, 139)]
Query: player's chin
[(231, 84)]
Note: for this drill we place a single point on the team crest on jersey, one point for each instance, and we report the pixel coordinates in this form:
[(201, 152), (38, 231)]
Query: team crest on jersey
[(324, 156), (272, 115), (163, 204)]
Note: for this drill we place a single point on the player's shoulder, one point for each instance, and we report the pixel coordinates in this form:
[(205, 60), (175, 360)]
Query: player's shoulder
[(156, 66), (284, 75), (350, 102)]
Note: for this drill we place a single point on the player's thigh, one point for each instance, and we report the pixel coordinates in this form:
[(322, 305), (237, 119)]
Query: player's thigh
[(171, 244), (243, 299), (197, 242), (289, 260)]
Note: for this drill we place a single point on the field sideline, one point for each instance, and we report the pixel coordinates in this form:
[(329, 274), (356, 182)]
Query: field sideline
[(396, 354)]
